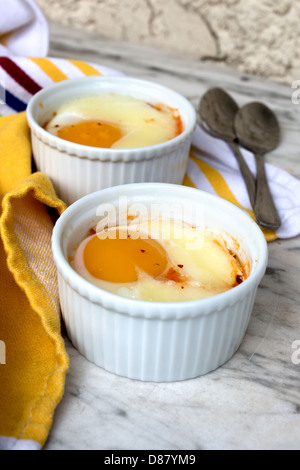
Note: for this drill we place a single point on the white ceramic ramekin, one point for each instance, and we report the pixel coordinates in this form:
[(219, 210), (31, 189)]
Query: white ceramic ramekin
[(77, 170), (153, 341)]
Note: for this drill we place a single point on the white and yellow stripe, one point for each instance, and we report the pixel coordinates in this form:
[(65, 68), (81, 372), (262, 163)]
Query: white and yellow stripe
[(206, 177)]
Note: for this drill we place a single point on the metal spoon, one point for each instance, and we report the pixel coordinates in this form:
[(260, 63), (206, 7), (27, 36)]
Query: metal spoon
[(258, 130), (217, 111)]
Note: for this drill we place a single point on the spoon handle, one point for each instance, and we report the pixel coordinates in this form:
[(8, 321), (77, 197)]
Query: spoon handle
[(265, 210), (247, 175)]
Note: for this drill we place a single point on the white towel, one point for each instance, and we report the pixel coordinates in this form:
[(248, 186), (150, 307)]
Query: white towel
[(23, 29)]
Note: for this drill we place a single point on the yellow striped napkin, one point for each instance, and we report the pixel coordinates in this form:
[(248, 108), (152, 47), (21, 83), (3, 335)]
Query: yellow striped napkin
[(22, 77)]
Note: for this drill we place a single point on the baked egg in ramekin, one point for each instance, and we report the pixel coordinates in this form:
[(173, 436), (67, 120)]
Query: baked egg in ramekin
[(151, 326), (93, 133)]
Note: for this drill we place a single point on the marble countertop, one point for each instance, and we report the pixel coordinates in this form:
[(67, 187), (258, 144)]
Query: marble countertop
[(253, 401)]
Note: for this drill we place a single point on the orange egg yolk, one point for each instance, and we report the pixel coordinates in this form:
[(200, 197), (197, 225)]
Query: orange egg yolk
[(91, 133), (119, 260)]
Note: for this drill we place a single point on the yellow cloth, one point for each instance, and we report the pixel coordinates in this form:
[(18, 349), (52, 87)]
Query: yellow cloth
[(32, 376)]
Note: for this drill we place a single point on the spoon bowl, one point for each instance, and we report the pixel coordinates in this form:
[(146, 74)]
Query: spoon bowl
[(257, 128), (217, 110)]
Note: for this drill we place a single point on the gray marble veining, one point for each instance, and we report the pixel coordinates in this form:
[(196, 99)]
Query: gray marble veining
[(253, 401)]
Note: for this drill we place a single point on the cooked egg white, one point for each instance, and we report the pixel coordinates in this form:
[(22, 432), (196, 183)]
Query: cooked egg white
[(115, 121), (141, 262)]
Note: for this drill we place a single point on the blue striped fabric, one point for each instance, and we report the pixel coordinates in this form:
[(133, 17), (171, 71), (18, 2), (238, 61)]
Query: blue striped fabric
[(12, 101)]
